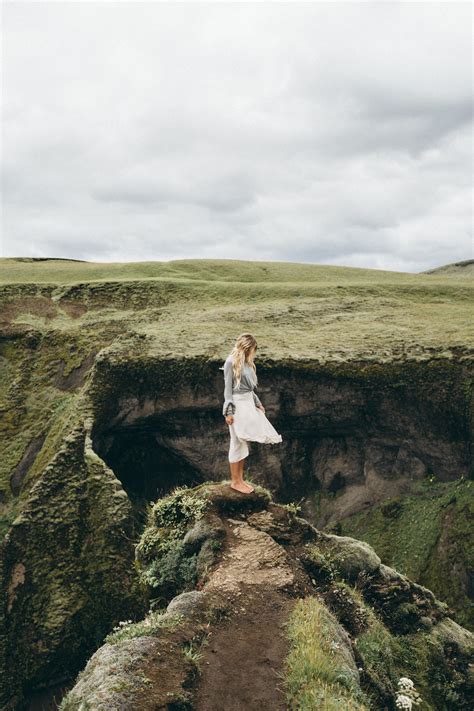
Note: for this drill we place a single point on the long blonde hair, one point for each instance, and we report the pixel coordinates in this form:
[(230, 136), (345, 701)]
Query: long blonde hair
[(243, 352)]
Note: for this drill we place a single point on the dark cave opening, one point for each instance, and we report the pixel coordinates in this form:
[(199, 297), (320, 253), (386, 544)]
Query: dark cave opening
[(146, 468), (152, 455)]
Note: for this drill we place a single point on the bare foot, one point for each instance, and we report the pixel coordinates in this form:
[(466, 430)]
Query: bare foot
[(242, 487), (250, 487)]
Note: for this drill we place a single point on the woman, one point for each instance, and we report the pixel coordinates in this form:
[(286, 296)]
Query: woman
[(243, 411)]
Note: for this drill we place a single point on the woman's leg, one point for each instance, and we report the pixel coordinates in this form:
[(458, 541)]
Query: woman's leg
[(241, 465), (238, 451)]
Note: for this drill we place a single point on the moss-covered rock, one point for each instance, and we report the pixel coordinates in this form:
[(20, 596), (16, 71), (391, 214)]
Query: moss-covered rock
[(347, 556), (428, 536)]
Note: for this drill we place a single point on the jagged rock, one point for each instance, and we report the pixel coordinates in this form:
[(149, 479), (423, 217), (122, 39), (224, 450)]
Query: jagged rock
[(140, 674), (279, 523), (456, 640), (148, 411), (404, 605)]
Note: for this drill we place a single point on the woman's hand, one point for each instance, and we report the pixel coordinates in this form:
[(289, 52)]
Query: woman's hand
[(260, 407), (229, 419)]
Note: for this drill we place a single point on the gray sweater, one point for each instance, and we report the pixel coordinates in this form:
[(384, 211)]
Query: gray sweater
[(247, 384)]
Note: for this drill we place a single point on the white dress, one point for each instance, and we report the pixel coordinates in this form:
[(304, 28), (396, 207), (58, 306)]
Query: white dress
[(250, 423)]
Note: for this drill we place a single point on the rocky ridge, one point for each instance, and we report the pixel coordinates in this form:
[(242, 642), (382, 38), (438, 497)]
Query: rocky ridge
[(249, 567)]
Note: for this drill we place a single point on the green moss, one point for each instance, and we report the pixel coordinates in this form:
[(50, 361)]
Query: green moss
[(73, 539), (386, 657), (428, 537), (156, 324), (7, 516)]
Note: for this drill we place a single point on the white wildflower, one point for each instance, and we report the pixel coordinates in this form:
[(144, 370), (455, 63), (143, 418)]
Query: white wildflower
[(122, 624), (403, 702), (406, 696)]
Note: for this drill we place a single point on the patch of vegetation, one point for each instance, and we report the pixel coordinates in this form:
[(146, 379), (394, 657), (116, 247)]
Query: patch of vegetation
[(427, 536), (341, 313), (420, 657), (164, 562), (293, 509), (193, 651), (139, 326), (320, 672), (379, 651), (8, 515), (153, 623)]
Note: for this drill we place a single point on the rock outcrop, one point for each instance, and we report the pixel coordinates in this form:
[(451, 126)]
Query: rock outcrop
[(256, 579)]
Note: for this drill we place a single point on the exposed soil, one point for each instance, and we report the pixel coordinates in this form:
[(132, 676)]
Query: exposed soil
[(20, 471), (40, 306), (244, 657)]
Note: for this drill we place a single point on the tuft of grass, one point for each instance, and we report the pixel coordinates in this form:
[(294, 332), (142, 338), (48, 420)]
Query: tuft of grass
[(153, 623), (193, 651), (319, 671)]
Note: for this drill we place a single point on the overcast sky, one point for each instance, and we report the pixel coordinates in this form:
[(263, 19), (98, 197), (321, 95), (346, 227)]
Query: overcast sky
[(324, 132)]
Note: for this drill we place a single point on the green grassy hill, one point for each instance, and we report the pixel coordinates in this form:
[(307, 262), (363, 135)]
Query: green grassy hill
[(193, 307), (459, 269)]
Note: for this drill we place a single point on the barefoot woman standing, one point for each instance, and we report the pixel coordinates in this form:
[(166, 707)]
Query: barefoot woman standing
[(242, 409)]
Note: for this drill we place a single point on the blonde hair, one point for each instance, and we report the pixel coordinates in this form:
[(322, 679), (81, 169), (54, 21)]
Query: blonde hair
[(243, 352)]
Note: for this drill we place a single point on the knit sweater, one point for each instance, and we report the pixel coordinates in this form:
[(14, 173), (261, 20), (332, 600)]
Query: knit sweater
[(247, 384)]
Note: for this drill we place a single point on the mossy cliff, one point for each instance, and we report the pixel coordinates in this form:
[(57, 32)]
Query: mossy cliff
[(67, 567), (429, 536), (110, 393), (214, 559)]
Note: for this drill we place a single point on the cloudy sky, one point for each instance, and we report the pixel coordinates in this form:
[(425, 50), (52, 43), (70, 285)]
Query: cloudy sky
[(323, 132)]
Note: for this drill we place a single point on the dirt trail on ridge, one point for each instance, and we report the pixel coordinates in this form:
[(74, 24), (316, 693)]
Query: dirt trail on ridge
[(243, 660)]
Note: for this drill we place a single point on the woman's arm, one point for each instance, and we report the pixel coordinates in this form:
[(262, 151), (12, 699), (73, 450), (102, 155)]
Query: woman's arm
[(229, 405), (256, 399)]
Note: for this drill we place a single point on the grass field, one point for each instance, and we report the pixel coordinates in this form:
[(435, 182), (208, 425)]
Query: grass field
[(296, 311), (67, 271)]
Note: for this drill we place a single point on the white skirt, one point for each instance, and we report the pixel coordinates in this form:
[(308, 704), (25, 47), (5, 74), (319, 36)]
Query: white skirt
[(250, 425)]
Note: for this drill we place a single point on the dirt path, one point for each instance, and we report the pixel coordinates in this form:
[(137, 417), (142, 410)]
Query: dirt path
[(244, 657)]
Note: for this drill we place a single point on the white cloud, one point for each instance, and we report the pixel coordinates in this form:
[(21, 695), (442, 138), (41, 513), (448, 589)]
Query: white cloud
[(323, 132)]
